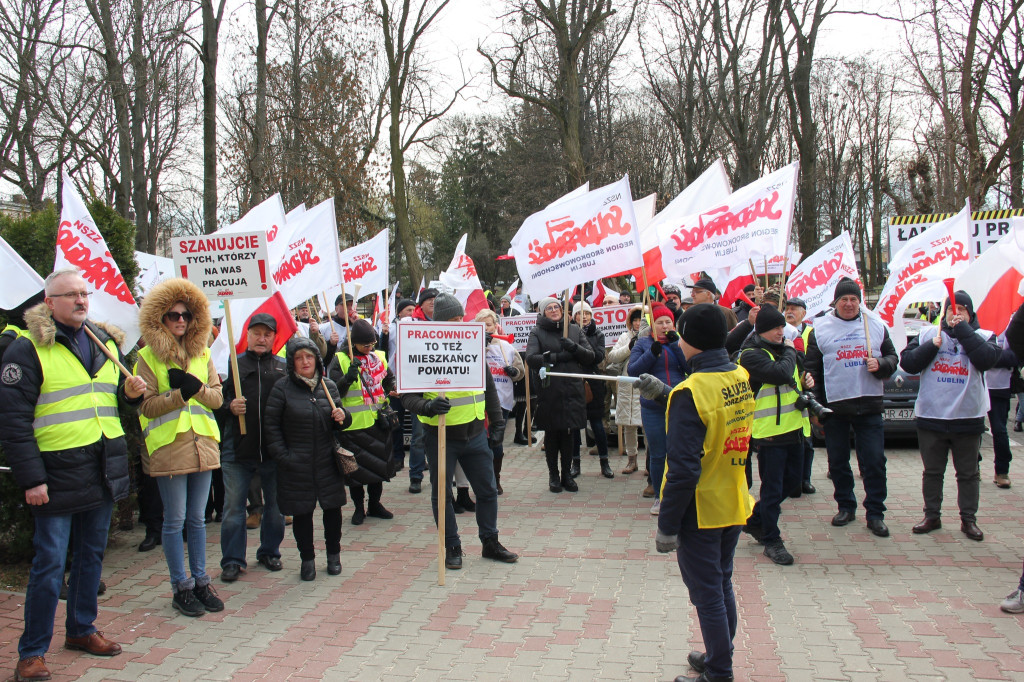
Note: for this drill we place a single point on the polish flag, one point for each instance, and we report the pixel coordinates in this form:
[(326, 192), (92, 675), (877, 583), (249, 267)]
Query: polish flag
[(596, 298), (995, 280), (462, 278), (278, 309), (512, 292)]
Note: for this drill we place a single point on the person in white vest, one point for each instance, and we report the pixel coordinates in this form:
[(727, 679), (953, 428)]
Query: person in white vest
[(951, 405), (506, 369), (848, 378), (1003, 381)]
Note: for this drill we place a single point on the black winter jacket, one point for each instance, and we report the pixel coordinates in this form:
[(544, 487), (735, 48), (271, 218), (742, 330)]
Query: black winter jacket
[(1015, 332), (78, 479), (301, 439), (562, 403), (815, 364), (372, 445), (258, 374), (763, 370), (598, 387), (981, 353)]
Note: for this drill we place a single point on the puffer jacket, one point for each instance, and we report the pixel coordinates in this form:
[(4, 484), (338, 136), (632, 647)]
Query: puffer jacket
[(598, 387), (561, 403), (188, 453), (301, 439), (78, 479), (372, 446), (669, 365)]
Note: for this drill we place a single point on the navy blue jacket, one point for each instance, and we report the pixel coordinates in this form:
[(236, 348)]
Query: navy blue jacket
[(669, 365)]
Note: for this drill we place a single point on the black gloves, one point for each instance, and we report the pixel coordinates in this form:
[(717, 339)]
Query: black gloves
[(438, 405), (567, 344), (353, 371), (189, 384), (511, 372), (672, 337), (495, 434), (656, 349)]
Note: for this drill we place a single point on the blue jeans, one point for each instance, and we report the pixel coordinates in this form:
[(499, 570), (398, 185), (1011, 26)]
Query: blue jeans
[(870, 440), (478, 465), (779, 467), (654, 432), (237, 477), (87, 533), (808, 460), (997, 416), (184, 497), (417, 458), (705, 561)]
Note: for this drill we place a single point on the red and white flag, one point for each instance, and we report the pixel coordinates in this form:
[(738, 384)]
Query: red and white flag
[(579, 240), (276, 307), (513, 296), (816, 278), (752, 223), (995, 280), (462, 278), (917, 270), (365, 267), (80, 245), (310, 255)]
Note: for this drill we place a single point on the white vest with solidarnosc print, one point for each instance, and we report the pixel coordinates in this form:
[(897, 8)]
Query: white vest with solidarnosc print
[(842, 345), (951, 387), (998, 378), (496, 362)]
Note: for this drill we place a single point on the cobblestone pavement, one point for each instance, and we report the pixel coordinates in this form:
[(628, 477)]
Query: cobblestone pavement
[(589, 599)]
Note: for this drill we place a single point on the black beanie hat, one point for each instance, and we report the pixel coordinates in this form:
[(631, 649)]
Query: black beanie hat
[(964, 299), (362, 332), (847, 287), (768, 318), (403, 304), (703, 326), (427, 294)]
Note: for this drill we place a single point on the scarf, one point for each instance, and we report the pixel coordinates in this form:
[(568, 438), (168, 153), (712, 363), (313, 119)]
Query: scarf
[(311, 382), (371, 378)]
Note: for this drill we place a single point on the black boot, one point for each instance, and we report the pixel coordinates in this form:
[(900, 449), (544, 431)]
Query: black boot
[(453, 557), (358, 517), (494, 550), (308, 570), (569, 484), (334, 564), (377, 511), (464, 500), (606, 469), (457, 505), (554, 483), (574, 468)]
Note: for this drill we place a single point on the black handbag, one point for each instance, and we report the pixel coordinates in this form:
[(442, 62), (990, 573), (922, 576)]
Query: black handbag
[(387, 419)]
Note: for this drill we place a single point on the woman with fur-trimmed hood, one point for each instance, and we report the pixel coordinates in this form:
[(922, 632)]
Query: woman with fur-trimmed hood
[(178, 425)]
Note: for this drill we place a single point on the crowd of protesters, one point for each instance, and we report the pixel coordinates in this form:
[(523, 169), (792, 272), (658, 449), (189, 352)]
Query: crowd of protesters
[(315, 419)]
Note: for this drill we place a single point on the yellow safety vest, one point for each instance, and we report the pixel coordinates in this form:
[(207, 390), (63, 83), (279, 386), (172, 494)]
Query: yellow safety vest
[(74, 409), (775, 410), (725, 404), (194, 416), (467, 406), (18, 331), (363, 415)]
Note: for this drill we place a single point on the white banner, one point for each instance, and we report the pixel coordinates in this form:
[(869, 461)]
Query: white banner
[(816, 278), (441, 356), (80, 245), (311, 255), (461, 278), (985, 232), (267, 217), (152, 271), (365, 267), (752, 223), (708, 190), (20, 280), (579, 240)]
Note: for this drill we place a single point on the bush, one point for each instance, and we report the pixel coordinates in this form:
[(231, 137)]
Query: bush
[(34, 237)]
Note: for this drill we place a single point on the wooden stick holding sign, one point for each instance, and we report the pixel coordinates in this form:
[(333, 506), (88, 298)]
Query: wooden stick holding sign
[(867, 334), (234, 362), (782, 284), (565, 317), (444, 489), (109, 353)]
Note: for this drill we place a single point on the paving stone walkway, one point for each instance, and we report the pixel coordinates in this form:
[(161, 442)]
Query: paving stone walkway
[(588, 600)]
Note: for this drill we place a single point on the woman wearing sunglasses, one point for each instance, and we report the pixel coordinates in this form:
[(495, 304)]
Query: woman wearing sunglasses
[(181, 434)]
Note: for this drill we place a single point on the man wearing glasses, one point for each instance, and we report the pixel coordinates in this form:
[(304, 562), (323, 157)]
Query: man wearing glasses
[(66, 449)]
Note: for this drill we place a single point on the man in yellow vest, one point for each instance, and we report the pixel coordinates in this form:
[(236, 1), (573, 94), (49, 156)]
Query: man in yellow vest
[(780, 429), (466, 445), (63, 440), (704, 493)]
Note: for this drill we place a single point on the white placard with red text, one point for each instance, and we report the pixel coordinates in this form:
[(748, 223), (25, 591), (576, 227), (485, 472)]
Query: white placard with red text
[(610, 319), (816, 278), (441, 356), (579, 240), (225, 265), (519, 326)]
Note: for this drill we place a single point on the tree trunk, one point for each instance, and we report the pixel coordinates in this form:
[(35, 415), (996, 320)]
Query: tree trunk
[(209, 55), (258, 166), (140, 107), (401, 199)]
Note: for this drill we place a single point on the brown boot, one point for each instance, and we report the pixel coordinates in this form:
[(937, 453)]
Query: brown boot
[(630, 465), (32, 668)]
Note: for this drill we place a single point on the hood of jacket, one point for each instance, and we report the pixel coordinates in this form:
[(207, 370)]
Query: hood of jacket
[(43, 328), (293, 347), (155, 305)]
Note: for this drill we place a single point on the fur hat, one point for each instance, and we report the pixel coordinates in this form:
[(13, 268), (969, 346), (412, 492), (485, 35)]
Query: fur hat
[(159, 300)]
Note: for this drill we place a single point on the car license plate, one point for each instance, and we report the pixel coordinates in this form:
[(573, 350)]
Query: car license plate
[(899, 414)]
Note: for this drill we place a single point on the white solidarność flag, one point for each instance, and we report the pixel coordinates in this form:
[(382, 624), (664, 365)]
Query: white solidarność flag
[(365, 268), (751, 223), (917, 270), (816, 278), (80, 245), (20, 280), (310, 255), (579, 240), (461, 277)]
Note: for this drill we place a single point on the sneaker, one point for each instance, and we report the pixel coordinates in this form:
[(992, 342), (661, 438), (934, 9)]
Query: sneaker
[(453, 557), (777, 552), (185, 601), (1014, 603), (1002, 481), (208, 597), (656, 508)]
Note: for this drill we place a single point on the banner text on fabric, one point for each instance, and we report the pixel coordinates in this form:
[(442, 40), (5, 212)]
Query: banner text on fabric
[(441, 356), (224, 267)]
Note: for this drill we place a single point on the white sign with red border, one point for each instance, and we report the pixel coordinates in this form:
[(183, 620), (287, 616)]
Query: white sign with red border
[(519, 326), (225, 265), (441, 356)]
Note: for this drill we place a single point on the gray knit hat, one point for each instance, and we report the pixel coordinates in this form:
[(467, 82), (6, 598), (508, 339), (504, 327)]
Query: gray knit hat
[(447, 307), (545, 302)]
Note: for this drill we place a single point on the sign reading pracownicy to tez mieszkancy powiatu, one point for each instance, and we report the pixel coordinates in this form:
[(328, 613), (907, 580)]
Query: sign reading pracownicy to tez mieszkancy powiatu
[(440, 356)]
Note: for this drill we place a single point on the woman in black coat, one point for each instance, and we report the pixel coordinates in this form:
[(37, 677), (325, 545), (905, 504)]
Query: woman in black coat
[(301, 428), (584, 317), (562, 406)]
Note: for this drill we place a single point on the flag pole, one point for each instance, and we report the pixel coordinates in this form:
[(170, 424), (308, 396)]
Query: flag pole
[(444, 489), (565, 317), (766, 282), (109, 353), (782, 283), (234, 362)]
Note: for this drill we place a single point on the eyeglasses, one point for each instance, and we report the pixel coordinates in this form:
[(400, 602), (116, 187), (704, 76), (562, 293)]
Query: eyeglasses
[(175, 316), (73, 295)]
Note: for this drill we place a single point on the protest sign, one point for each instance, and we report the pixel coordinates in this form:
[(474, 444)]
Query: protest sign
[(441, 356), (224, 266), (816, 278), (519, 327), (611, 321)]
